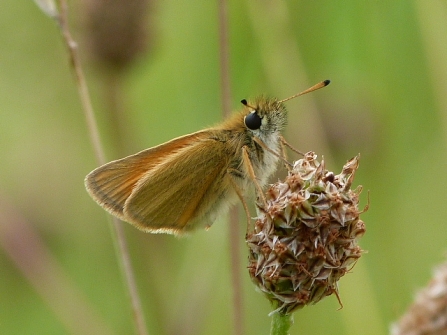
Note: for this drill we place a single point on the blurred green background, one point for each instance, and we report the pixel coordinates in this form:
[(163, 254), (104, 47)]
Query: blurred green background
[(387, 101)]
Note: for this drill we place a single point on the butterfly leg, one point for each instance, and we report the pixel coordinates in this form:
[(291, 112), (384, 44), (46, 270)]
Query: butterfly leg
[(284, 142), (251, 173), (281, 156), (240, 195)]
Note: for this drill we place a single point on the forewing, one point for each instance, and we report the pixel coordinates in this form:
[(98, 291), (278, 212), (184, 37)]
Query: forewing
[(110, 185), (181, 191)]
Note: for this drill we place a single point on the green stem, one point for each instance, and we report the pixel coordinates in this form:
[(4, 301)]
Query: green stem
[(281, 324)]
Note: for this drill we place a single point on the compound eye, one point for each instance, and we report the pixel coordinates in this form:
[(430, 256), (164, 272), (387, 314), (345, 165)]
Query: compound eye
[(253, 121)]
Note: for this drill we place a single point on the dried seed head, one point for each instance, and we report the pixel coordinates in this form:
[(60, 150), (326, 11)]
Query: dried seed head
[(306, 238), (117, 30), (428, 313)]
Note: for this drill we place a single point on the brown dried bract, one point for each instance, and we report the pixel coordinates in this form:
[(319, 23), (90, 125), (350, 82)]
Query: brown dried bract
[(306, 238)]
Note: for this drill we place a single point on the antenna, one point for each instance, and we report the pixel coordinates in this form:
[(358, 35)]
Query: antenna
[(321, 84)]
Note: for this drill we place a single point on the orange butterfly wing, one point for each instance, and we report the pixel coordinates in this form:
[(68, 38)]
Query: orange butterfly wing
[(111, 184), (167, 188)]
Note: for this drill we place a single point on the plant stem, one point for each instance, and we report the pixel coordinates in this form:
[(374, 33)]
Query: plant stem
[(117, 231), (281, 323), (234, 227)]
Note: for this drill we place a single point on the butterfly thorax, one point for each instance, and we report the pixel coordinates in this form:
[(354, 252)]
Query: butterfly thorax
[(272, 115)]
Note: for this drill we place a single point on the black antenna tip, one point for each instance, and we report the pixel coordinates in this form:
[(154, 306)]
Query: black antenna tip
[(326, 82), (244, 102)]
